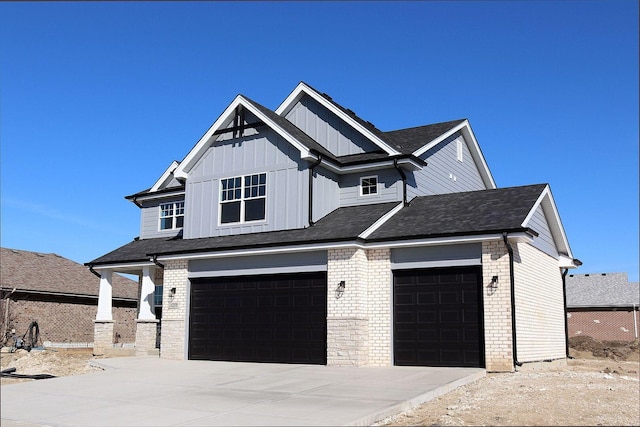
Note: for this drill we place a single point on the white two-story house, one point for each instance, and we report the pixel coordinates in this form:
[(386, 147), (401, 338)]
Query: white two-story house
[(307, 235)]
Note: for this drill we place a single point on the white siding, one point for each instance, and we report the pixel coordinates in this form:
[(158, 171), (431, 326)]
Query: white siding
[(539, 305)]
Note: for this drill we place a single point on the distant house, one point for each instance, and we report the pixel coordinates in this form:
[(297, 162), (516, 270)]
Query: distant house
[(603, 306), (61, 296)]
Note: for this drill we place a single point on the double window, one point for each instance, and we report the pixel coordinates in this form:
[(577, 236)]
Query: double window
[(171, 215), (243, 198), (368, 185)]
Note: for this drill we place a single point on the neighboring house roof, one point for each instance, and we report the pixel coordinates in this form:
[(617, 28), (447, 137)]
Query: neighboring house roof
[(456, 214), (601, 290), (53, 274)]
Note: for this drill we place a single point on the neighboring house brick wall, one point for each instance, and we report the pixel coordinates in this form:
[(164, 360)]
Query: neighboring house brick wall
[(66, 322), (539, 305), (497, 308), (605, 325), (174, 309), (380, 310)]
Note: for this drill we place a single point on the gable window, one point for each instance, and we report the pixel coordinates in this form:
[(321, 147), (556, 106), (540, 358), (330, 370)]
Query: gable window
[(243, 198), (368, 185), (171, 215)]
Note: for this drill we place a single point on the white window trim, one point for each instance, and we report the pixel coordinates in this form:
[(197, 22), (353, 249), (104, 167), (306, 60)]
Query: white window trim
[(174, 216), (362, 178), (242, 199)]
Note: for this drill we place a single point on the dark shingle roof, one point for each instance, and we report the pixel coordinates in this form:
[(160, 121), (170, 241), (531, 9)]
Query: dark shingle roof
[(52, 273), (343, 224), (474, 212), (601, 290), (412, 139)]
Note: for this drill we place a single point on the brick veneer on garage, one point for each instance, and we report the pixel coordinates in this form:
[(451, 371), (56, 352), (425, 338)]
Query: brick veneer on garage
[(603, 325), (174, 309)]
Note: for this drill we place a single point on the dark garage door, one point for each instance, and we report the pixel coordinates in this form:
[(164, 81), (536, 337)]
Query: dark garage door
[(437, 317), (278, 318)]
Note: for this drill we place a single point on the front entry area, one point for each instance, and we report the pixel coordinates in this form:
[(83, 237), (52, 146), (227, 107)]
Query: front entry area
[(437, 317), (269, 318)]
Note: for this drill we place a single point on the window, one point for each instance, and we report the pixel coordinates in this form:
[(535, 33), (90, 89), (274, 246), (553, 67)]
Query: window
[(368, 185), (243, 198), (171, 215), (459, 151), (157, 296)]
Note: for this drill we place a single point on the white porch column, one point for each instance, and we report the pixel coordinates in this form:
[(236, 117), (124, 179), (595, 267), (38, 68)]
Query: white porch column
[(103, 325), (147, 324), (147, 303), (105, 311)]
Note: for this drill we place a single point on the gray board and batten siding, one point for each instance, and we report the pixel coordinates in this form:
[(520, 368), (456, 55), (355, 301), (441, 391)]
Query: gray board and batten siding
[(327, 129), (444, 173), (300, 262), (464, 254), (257, 151), (150, 217)]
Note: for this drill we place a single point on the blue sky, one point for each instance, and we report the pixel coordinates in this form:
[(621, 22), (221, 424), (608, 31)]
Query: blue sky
[(97, 99)]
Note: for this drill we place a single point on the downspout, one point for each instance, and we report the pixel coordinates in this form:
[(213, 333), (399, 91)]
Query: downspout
[(404, 181), (94, 272), (635, 321), (512, 281), (156, 262), (313, 166), (566, 323)]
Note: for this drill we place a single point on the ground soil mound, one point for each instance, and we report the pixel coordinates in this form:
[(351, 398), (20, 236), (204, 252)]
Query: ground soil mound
[(616, 350)]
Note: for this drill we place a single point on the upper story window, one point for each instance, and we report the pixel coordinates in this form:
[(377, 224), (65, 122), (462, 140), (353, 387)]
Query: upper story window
[(243, 198), (368, 185), (171, 215)]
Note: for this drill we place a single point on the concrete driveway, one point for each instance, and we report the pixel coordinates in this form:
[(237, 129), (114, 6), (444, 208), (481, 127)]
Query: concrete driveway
[(148, 391)]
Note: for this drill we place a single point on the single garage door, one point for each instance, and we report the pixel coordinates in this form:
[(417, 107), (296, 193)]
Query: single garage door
[(437, 317), (277, 318)]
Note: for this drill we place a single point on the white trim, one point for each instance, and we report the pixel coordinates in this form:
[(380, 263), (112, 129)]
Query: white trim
[(163, 195), (551, 213), (116, 267), (383, 219), (242, 201), (474, 149), (302, 88), (173, 216), (516, 237), (165, 176), (361, 186), (369, 166), (202, 144)]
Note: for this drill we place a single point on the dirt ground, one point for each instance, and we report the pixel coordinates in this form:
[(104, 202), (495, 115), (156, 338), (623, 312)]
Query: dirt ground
[(598, 387)]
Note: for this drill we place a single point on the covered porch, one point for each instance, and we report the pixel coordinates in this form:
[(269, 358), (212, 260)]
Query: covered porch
[(147, 337)]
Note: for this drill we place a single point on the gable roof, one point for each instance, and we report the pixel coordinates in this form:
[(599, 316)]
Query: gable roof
[(53, 274), (412, 139), (467, 213), (601, 290)]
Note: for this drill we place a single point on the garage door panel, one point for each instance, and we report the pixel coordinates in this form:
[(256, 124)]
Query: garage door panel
[(437, 317)]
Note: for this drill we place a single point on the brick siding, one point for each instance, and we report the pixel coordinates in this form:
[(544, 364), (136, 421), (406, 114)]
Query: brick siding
[(174, 309), (603, 325), (66, 322)]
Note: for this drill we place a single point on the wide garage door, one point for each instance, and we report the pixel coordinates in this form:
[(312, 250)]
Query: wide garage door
[(277, 318), (437, 317)]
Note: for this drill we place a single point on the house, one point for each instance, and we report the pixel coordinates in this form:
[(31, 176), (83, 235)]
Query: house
[(62, 297), (603, 306), (305, 234)]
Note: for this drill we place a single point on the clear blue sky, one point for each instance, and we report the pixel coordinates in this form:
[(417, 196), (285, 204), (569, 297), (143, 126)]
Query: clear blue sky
[(98, 98)]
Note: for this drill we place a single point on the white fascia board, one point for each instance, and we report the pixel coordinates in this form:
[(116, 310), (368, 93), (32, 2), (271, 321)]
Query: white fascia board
[(384, 218), (165, 176), (518, 237), (122, 267), (160, 196), (551, 213), (473, 146), (302, 89), (202, 144), (364, 167), (566, 262)]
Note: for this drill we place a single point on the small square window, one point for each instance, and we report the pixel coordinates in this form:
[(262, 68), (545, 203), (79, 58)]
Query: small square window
[(368, 185), (171, 215)]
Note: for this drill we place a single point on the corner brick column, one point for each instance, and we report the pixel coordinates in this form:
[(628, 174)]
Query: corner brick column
[(497, 308), (347, 316), (103, 325), (173, 337), (379, 286)]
